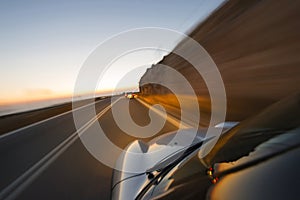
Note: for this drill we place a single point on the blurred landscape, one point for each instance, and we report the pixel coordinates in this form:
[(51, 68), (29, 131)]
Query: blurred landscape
[(255, 45)]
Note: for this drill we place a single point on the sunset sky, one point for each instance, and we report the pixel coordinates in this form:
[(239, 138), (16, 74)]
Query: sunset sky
[(44, 43)]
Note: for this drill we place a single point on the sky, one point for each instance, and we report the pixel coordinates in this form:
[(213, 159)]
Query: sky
[(43, 44)]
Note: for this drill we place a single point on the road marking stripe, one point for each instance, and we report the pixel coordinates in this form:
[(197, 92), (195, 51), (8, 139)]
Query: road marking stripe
[(22, 182), (5, 135), (171, 119)]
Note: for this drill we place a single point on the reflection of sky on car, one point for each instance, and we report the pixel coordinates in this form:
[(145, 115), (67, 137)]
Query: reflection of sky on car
[(273, 179), (266, 171), (262, 152)]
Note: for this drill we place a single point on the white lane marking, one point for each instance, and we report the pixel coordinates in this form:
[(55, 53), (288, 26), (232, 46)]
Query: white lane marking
[(176, 122), (44, 120), (22, 182)]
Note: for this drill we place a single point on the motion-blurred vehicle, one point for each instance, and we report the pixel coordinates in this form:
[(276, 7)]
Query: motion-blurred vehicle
[(255, 159), (130, 95), (162, 155)]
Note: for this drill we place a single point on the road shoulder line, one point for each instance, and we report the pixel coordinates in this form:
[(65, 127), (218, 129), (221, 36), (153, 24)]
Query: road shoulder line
[(11, 191), (170, 118), (10, 133)]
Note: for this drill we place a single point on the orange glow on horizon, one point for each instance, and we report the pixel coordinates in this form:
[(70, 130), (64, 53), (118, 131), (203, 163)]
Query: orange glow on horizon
[(32, 99), (44, 95)]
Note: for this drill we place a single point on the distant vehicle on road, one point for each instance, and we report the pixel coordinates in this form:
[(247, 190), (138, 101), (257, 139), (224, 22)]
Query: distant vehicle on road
[(131, 95)]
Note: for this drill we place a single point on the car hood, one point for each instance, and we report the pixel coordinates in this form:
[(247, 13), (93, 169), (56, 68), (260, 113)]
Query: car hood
[(141, 160)]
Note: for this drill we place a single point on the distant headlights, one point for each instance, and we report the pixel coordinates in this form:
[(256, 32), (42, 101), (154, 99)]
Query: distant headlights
[(131, 96)]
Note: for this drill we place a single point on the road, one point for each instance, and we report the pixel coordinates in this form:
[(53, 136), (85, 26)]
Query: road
[(48, 161)]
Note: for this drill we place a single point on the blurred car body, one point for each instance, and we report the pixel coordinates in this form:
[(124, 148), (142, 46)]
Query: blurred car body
[(255, 159)]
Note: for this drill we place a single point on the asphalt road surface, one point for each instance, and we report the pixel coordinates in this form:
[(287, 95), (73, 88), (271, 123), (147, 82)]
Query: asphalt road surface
[(48, 160)]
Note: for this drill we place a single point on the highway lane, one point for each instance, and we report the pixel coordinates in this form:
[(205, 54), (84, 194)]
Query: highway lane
[(11, 122), (25, 147), (75, 174)]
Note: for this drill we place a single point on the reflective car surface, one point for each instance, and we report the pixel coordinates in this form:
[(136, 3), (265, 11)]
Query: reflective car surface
[(269, 172), (163, 156), (255, 159)]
